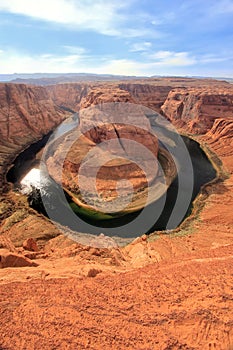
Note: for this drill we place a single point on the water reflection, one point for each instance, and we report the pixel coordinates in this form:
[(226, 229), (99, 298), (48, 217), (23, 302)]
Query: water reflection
[(32, 179)]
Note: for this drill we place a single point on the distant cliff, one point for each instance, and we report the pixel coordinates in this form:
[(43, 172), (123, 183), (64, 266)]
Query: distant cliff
[(196, 110), (152, 96), (76, 95)]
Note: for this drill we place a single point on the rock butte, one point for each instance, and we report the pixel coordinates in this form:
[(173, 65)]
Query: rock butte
[(172, 292), (104, 117)]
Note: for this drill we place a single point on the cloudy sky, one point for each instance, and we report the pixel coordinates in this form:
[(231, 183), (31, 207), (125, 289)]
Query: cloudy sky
[(130, 37)]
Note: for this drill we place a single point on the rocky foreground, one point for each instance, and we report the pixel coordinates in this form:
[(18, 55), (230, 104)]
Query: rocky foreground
[(160, 292)]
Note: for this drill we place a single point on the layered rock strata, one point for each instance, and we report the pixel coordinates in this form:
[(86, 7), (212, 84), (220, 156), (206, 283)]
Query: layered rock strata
[(197, 109), (26, 115), (115, 133)]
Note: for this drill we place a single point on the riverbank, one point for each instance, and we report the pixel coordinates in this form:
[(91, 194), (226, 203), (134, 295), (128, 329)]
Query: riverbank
[(187, 227)]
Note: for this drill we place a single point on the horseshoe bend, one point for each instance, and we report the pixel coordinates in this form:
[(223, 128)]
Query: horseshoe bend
[(42, 266), (114, 156)]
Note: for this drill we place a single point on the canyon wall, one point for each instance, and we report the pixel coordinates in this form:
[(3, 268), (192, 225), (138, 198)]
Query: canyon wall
[(196, 106), (152, 96), (26, 115), (196, 110), (151, 93), (29, 112), (68, 96)]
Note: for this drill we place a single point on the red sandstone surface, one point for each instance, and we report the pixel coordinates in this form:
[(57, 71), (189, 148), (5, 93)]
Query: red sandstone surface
[(162, 292)]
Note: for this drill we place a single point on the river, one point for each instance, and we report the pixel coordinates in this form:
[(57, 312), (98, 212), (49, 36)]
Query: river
[(26, 164)]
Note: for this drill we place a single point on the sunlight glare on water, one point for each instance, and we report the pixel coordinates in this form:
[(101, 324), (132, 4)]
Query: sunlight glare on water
[(31, 179)]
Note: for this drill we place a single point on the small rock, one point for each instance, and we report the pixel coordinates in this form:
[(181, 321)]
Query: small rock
[(31, 255), (93, 272), (31, 245), (95, 251)]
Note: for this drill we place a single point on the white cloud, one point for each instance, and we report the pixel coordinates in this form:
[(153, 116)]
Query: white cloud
[(122, 67), (171, 58), (77, 50), (156, 22), (213, 58), (152, 67), (143, 46), (163, 18), (138, 33), (163, 63), (103, 16), (12, 61)]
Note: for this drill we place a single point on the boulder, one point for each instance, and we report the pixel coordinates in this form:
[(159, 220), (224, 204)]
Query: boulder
[(31, 245), (9, 259)]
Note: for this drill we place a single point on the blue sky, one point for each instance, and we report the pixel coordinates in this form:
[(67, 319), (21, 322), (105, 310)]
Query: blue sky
[(131, 37)]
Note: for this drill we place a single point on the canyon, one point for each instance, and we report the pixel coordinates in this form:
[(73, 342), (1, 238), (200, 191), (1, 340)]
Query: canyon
[(27, 114), (169, 290)]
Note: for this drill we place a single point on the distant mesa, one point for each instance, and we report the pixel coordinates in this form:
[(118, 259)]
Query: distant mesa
[(53, 78), (58, 78)]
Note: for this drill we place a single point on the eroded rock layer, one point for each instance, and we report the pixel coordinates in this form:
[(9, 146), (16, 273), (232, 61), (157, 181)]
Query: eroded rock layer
[(26, 115), (114, 134), (197, 109)]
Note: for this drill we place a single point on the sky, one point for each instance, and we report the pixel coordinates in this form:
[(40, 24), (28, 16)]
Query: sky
[(130, 37)]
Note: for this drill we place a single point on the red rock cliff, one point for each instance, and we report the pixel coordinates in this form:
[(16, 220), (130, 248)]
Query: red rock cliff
[(148, 92), (68, 95), (152, 96), (197, 109), (26, 115), (76, 95)]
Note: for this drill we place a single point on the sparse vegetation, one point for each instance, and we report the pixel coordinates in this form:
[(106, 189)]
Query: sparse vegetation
[(17, 216)]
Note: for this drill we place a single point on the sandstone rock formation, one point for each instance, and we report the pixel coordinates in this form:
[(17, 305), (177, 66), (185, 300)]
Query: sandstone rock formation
[(115, 117), (104, 94), (152, 96), (68, 96), (26, 115), (8, 259), (221, 128), (31, 245), (197, 109), (149, 92)]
